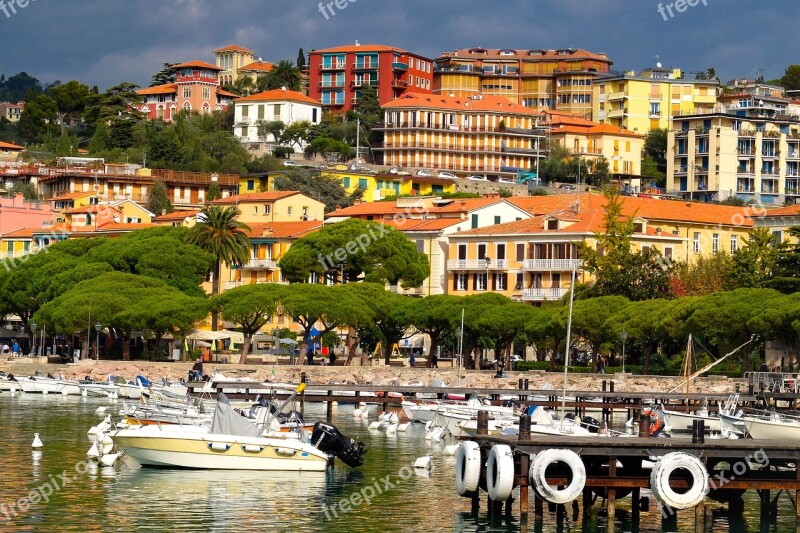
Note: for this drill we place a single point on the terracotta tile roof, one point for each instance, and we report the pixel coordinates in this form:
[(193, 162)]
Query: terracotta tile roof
[(71, 196), (197, 64), (283, 230), (223, 92), (495, 53), (254, 197), (176, 215), (650, 209), (167, 88), (10, 146), (789, 211), (233, 48), (20, 233), (365, 48), (600, 129), (487, 103), (436, 224), (464, 205), (279, 95), (257, 66)]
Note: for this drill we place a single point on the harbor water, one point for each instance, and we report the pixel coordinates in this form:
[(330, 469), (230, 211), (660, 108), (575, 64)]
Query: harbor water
[(57, 489)]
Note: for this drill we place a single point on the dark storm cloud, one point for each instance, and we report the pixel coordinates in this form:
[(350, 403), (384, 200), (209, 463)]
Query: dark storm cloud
[(105, 42)]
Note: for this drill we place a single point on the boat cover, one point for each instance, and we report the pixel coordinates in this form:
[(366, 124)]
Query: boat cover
[(226, 421)]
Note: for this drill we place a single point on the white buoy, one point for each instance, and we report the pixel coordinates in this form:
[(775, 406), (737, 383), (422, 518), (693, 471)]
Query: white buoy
[(629, 423), (13, 391), (109, 459), (93, 452), (358, 413), (450, 449), (376, 425), (403, 427), (37, 442), (64, 392), (384, 416), (101, 410), (391, 429), (428, 424), (84, 392), (424, 462), (44, 392), (437, 435), (108, 445), (393, 418)]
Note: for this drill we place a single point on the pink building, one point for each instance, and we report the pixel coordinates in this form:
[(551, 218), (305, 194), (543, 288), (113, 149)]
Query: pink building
[(17, 213), (196, 88)]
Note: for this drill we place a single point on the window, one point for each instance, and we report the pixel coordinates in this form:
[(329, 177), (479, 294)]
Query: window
[(461, 282), (251, 185), (715, 243), (668, 252), (520, 251), (9, 246), (187, 92), (363, 183), (500, 282), (255, 209), (734, 243), (696, 242), (346, 182), (206, 93), (245, 132), (289, 211), (474, 220), (520, 281), (480, 282), (268, 209)]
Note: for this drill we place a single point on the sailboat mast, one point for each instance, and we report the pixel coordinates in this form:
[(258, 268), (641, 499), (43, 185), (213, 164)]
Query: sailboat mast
[(569, 340), (687, 365)]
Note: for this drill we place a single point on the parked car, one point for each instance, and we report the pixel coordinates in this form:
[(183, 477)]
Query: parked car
[(477, 178), (505, 180), (423, 172), (291, 164), (447, 175)]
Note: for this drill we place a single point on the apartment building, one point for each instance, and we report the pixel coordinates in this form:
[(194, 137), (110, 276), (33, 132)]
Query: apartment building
[(252, 113), (230, 60), (538, 79), (747, 148), (279, 206), (648, 100), (337, 74), (11, 111), (484, 135), (10, 152)]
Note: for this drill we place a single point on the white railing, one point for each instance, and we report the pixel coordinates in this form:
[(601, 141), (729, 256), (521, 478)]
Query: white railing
[(544, 294), (553, 264), (261, 263), (477, 264)]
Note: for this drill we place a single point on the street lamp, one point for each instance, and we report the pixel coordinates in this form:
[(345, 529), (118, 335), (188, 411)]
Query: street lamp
[(488, 262), (33, 334), (623, 335), (97, 328)]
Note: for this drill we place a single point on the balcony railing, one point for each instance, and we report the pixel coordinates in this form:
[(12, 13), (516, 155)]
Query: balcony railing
[(558, 265), (538, 295), (268, 264), (616, 96), (340, 65), (477, 264), (399, 65)]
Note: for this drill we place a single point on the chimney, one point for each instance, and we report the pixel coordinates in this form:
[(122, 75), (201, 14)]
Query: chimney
[(163, 212)]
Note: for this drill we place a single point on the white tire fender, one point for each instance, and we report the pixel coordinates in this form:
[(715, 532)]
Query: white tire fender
[(500, 473), (537, 475), (468, 468), (664, 468)]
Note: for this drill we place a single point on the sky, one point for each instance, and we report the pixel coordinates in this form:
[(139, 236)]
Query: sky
[(105, 42)]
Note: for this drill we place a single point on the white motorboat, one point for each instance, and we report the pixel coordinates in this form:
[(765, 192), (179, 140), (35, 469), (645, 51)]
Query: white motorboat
[(94, 388), (132, 391), (780, 427), (9, 383), (543, 422), (681, 422), (49, 385), (234, 443)]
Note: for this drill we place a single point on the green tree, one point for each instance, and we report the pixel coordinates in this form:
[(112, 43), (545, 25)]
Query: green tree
[(438, 316), (786, 274), (28, 191), (301, 59), (706, 274), (39, 117), (655, 147), (296, 133), (327, 190), (650, 169), (589, 320), (165, 75), (753, 263), (508, 322), (220, 234), (791, 78), (71, 99), (250, 306), (266, 128), (368, 105), (553, 168), (19, 87), (159, 203), (284, 74), (214, 192), (356, 248)]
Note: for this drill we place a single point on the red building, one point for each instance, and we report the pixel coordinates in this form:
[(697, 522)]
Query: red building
[(196, 88), (337, 74)]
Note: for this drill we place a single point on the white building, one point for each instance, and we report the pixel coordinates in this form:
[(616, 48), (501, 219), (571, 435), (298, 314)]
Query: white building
[(270, 106)]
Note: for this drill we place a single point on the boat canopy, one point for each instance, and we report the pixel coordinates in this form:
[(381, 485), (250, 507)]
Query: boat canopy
[(226, 421)]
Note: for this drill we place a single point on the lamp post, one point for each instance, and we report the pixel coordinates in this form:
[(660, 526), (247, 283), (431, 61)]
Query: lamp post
[(460, 333), (623, 335), (488, 262), (33, 336), (97, 327)]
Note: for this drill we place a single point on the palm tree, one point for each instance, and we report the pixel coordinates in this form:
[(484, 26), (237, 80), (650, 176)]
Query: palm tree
[(284, 74), (220, 234)]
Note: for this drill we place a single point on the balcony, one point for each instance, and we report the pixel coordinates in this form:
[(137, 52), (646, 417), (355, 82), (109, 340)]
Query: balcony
[(539, 295), (365, 65), (359, 83), (331, 84), (681, 170), (620, 95), (477, 264), (768, 155), (339, 65), (793, 155), (617, 113), (260, 264), (399, 65), (554, 265), (401, 84), (654, 114)]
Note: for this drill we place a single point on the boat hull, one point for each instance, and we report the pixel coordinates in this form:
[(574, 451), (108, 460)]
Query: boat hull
[(52, 386), (772, 429), (219, 452), (682, 422)]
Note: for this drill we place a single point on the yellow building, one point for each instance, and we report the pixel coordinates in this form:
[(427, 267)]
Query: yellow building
[(185, 219), (231, 59), (480, 135), (17, 244), (749, 149), (648, 100), (538, 79), (281, 206), (376, 187), (620, 147)]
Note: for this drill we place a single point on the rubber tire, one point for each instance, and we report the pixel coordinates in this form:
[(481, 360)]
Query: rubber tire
[(500, 473), (659, 480), (536, 475), (468, 468)]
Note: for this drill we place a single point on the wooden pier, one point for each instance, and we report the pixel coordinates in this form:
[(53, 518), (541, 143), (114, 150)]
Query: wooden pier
[(614, 470)]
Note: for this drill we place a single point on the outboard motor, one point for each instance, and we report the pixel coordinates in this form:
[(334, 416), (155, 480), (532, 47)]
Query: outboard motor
[(592, 424), (328, 439)]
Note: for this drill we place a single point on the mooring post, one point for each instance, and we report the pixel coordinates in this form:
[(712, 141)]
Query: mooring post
[(329, 408), (698, 432), (519, 388), (636, 495), (797, 499), (612, 495), (644, 426), (303, 394), (483, 422), (587, 503), (538, 507), (358, 403), (524, 466), (610, 410)]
